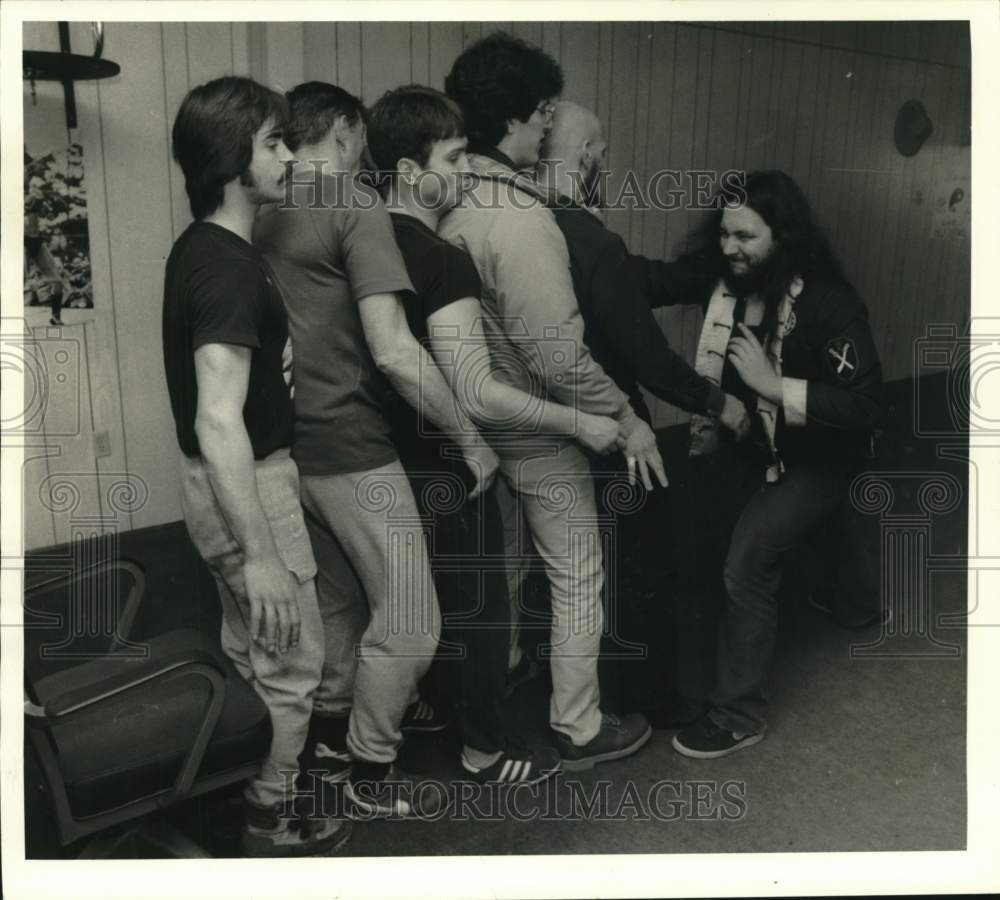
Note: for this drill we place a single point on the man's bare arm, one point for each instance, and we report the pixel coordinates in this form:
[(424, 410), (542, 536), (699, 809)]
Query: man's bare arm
[(420, 383), (223, 375), (462, 353)]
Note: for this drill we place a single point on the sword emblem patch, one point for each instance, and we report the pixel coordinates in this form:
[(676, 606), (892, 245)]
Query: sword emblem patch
[(842, 357)]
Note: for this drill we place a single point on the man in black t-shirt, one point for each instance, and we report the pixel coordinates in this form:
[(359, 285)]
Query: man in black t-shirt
[(224, 330), (417, 138)]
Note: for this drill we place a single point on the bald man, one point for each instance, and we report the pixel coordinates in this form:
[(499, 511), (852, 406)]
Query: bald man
[(615, 291), (614, 287)]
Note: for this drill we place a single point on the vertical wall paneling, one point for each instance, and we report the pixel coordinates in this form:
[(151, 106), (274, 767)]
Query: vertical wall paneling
[(420, 55), (602, 74), (240, 38), (210, 53), (445, 42), (349, 52), (579, 61), (100, 391), (690, 96), (176, 84), (386, 48), (529, 31), (620, 122), (640, 158), (319, 46), (284, 56), (140, 234)]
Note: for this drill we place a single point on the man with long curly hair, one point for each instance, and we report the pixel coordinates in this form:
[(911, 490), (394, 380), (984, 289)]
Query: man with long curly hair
[(786, 334)]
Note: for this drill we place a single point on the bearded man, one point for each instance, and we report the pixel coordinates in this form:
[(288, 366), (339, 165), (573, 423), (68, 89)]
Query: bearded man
[(786, 334)]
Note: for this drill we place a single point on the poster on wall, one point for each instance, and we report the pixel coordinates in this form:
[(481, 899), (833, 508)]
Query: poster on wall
[(58, 287), (57, 279)]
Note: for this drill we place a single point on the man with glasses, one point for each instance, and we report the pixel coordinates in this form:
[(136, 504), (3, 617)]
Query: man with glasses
[(504, 88)]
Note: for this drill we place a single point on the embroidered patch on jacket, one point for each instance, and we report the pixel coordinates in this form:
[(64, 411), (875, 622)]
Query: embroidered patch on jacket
[(842, 357)]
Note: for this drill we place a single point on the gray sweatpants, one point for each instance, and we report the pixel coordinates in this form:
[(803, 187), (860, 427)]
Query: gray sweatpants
[(386, 641)]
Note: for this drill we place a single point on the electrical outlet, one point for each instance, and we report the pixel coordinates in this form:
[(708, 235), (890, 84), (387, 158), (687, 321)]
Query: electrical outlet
[(102, 444)]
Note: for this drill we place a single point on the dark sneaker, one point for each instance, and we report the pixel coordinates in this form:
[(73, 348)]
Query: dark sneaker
[(526, 670), (396, 796), (854, 619), (269, 834), (332, 765), (619, 736), (325, 752), (516, 767), (706, 740), (421, 717)]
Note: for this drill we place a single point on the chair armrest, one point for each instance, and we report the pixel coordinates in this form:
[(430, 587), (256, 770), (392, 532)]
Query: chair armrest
[(134, 599), (139, 672)]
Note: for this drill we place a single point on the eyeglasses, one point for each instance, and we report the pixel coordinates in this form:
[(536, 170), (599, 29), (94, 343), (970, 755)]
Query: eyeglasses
[(547, 110)]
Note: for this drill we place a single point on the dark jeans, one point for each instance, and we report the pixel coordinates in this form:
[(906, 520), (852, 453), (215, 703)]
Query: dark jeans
[(778, 518), (466, 547), (634, 660), (742, 528)]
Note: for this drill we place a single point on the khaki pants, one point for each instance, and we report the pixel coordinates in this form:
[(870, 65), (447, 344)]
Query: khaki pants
[(285, 681), (556, 492)]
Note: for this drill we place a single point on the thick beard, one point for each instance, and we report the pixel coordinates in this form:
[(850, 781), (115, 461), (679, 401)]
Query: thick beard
[(753, 280)]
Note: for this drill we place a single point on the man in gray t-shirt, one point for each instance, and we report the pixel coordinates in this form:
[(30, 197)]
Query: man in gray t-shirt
[(332, 247)]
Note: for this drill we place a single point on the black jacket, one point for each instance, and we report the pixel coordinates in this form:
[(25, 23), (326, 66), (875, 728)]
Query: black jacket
[(619, 327), (828, 358)]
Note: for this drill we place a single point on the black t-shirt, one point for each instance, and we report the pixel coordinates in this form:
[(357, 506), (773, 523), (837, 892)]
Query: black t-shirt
[(218, 289), (441, 274)]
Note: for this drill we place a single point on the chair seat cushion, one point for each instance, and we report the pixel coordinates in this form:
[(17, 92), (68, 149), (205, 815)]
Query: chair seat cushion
[(133, 745)]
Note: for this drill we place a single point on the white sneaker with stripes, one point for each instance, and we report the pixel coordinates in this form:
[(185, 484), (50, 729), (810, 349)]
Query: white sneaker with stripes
[(518, 767)]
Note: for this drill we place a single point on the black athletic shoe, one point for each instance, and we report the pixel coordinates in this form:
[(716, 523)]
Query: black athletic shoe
[(396, 796), (620, 736), (422, 717), (855, 620), (325, 752), (706, 740), (516, 767)]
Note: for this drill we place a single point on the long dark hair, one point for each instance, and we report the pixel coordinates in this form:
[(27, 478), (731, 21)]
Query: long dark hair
[(801, 248)]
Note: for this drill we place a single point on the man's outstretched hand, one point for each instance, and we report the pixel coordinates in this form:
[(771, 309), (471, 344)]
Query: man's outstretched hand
[(638, 443)]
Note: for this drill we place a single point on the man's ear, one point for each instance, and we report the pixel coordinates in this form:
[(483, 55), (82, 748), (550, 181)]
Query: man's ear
[(586, 153), (408, 169)]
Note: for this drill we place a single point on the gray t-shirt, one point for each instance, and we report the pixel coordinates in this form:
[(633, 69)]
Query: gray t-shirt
[(330, 248)]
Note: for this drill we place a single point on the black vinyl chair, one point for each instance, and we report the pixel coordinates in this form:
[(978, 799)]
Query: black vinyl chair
[(126, 732)]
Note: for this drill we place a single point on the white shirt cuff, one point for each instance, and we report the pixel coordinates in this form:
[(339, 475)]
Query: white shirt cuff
[(793, 398)]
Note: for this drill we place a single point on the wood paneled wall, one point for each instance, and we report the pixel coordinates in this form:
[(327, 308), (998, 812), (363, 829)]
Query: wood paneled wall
[(136, 206), (816, 99)]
